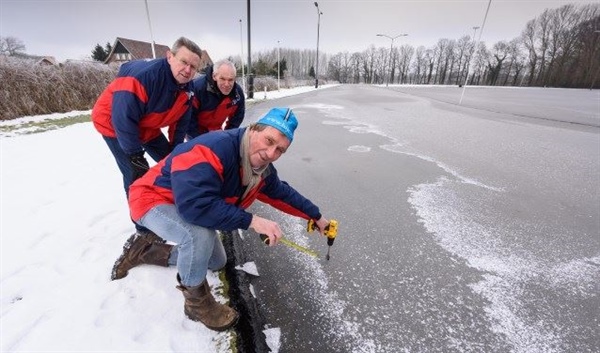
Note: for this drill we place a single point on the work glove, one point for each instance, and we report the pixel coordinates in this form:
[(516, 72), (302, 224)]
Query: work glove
[(139, 165)]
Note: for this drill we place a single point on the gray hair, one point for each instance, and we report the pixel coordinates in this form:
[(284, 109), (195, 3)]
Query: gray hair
[(184, 42), (222, 62)]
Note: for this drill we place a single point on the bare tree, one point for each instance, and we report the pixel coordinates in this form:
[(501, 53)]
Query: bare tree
[(528, 38), (346, 67), (479, 64), (499, 53), (406, 54), (356, 60), (369, 63), (340, 67), (586, 69), (464, 51), (449, 62), (11, 46), (381, 64), (419, 65), (562, 40), (430, 61), (543, 32), (515, 62)]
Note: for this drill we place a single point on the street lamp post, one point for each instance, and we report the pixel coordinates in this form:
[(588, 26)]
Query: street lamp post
[(391, 50), (278, 67), (250, 92), (475, 28), (151, 35), (319, 13), (475, 48), (242, 56)]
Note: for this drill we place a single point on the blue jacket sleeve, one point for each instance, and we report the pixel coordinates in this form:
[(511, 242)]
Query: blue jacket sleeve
[(237, 119), (289, 198), (127, 111)]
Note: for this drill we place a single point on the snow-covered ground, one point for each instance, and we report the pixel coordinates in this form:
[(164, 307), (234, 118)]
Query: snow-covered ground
[(64, 220)]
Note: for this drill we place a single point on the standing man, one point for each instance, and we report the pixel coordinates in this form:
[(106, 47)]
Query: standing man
[(205, 185), (219, 102), (145, 97)]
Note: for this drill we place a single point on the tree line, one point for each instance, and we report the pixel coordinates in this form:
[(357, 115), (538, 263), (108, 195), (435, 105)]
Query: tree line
[(558, 48)]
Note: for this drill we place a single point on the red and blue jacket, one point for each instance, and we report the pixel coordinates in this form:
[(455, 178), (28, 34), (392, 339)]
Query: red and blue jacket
[(142, 99), (202, 178), (212, 109)]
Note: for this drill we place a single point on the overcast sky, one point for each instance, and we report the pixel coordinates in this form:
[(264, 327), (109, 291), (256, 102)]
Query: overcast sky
[(70, 29)]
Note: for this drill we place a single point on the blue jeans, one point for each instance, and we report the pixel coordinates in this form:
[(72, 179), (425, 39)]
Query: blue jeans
[(157, 148), (199, 248)]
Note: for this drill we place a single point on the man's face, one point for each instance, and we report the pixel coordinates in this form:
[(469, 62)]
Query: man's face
[(184, 64), (266, 146), (225, 78)]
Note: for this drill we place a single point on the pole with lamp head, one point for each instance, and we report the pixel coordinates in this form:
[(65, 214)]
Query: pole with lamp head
[(242, 56), (391, 51), (319, 13), (476, 45), (250, 92), (150, 25), (475, 28)]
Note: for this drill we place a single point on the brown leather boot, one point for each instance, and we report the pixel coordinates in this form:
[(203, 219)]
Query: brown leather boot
[(201, 306), (144, 248)]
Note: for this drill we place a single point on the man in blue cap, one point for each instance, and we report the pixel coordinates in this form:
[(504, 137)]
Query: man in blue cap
[(203, 186)]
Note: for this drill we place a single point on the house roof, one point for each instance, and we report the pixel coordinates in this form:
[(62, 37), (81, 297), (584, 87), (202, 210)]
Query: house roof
[(143, 50), (39, 59)]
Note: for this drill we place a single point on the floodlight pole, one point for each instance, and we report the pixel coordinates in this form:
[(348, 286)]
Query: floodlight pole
[(151, 35), (250, 78), (278, 67), (476, 45), (472, 55), (319, 13), (242, 56)]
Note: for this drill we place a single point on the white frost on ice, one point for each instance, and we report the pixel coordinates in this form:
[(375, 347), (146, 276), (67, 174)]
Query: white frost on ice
[(442, 211), (357, 148)]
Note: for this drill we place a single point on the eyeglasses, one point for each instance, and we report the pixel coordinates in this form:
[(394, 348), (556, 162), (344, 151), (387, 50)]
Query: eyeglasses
[(186, 63)]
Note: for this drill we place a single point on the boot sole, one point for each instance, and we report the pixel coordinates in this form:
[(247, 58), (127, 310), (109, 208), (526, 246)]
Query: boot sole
[(217, 328)]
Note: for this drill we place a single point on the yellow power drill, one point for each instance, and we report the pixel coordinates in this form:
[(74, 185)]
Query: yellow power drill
[(330, 232)]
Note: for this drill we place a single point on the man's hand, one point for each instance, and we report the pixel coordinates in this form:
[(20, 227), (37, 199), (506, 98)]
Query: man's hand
[(139, 165), (322, 223), (267, 227)]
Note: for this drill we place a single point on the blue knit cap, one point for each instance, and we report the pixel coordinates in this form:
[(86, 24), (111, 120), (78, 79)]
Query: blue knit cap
[(283, 119)]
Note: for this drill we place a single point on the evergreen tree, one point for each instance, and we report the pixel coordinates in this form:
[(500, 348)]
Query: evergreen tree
[(99, 53), (282, 68), (107, 49)]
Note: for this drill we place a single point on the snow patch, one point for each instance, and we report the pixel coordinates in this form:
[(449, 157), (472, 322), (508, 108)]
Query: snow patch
[(248, 267), (273, 338)]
